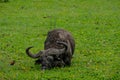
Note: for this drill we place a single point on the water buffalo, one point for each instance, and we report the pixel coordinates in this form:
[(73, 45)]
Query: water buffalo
[(58, 49), (61, 35)]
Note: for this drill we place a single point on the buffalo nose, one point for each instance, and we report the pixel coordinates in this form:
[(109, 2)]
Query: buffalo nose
[(44, 68)]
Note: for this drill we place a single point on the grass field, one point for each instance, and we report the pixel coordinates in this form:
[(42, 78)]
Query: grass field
[(95, 25)]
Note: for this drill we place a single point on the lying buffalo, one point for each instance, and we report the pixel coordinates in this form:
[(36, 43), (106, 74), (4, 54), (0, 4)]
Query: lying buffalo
[(58, 50)]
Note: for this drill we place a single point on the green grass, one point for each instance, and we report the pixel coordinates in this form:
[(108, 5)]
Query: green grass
[(95, 25)]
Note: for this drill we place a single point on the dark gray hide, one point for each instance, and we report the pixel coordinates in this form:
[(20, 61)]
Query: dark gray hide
[(63, 36), (58, 50)]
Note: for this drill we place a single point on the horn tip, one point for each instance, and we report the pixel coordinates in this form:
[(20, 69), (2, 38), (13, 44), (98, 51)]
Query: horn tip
[(29, 47)]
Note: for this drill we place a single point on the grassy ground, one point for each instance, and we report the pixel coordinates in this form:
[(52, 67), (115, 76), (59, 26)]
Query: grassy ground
[(95, 25)]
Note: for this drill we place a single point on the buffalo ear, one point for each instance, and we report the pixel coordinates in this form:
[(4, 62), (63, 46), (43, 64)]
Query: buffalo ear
[(38, 61)]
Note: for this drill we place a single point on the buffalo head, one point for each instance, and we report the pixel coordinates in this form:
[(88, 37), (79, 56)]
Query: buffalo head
[(50, 57)]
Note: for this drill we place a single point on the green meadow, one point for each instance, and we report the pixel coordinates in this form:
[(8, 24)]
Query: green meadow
[(94, 24)]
